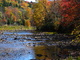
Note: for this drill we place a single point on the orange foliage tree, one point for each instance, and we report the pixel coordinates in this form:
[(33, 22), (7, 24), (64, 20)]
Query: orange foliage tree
[(27, 13), (12, 14)]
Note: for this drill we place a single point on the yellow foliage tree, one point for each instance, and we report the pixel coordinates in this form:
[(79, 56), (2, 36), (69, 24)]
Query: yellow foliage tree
[(39, 14)]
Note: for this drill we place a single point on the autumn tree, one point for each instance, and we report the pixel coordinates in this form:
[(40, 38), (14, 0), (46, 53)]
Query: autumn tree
[(16, 11), (48, 14), (9, 15), (38, 14), (0, 17), (70, 12), (53, 14), (41, 14), (26, 13), (12, 14)]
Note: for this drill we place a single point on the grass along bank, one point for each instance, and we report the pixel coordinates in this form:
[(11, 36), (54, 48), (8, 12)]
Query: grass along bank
[(16, 28)]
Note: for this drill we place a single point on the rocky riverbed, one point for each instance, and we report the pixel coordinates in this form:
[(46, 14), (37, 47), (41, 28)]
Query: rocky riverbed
[(20, 45)]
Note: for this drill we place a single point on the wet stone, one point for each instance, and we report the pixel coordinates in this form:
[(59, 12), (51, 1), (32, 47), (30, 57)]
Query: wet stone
[(39, 55), (15, 38)]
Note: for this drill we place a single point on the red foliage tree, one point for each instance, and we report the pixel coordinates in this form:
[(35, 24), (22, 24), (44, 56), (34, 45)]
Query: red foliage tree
[(70, 11)]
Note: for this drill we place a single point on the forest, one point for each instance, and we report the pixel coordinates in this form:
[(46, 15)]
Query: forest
[(62, 16)]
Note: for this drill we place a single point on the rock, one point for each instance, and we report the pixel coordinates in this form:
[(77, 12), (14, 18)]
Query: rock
[(15, 38), (39, 55)]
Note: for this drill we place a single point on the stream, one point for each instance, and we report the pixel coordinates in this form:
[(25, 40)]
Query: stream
[(27, 45)]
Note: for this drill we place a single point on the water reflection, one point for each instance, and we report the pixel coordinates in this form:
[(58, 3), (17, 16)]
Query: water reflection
[(46, 52), (55, 53)]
